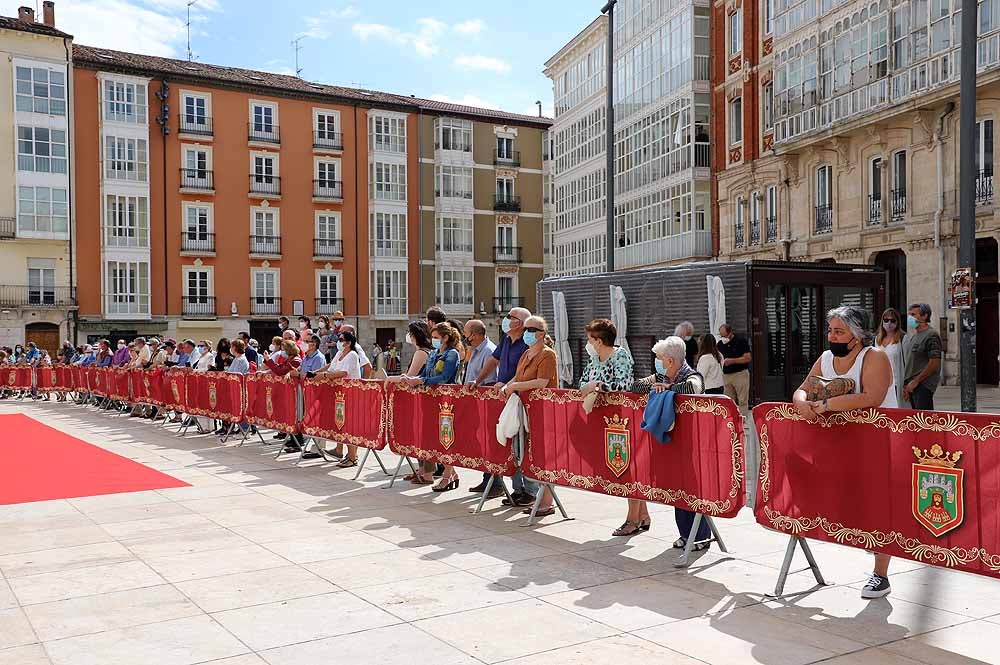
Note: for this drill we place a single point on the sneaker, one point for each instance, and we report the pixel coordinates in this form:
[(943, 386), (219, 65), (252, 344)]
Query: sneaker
[(877, 587)]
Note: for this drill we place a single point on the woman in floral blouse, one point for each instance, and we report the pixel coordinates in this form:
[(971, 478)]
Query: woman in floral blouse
[(610, 366)]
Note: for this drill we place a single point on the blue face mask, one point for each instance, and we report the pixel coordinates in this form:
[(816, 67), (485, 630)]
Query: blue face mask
[(505, 324), (530, 338), (911, 321), (436, 342), (660, 369)]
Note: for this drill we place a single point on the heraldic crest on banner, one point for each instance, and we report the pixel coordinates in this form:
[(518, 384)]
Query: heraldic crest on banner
[(213, 397), (446, 425), (340, 409), (145, 382), (268, 404), (176, 390), (937, 490), (616, 440), (12, 377)]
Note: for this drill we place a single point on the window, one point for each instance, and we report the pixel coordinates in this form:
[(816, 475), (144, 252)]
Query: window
[(326, 174), (387, 133), (127, 221), (984, 147), (505, 293), (197, 228), (455, 287), (755, 202), (735, 32), (388, 234), (505, 237), (327, 291), (738, 221), (771, 210), (42, 210), (265, 233), (326, 129), (264, 168), (125, 159), (454, 134), (41, 281), (769, 106), (899, 172), (125, 102), (875, 179), (328, 226), (824, 186), (265, 292), (505, 148), (128, 287), (388, 181), (505, 189), (197, 286), (40, 90), (736, 121), (388, 289), (454, 234), (454, 182), (262, 119), (768, 16), (195, 111), (197, 168), (41, 149)]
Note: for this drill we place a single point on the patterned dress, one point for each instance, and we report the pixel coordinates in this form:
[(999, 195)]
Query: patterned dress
[(613, 374)]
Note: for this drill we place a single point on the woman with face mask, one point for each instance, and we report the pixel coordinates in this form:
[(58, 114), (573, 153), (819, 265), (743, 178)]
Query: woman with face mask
[(889, 339), (850, 375), (418, 338)]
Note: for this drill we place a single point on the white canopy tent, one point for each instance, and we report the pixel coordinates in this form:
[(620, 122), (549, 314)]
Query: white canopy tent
[(716, 304), (561, 334), (619, 316)]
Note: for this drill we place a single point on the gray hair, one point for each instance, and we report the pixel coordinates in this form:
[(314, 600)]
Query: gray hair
[(855, 318), (671, 347), (923, 308), (684, 328)]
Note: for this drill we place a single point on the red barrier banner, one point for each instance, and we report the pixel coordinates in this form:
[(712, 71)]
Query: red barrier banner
[(914, 484), (449, 425), (147, 386), (216, 395), (98, 379), (80, 379), (65, 378), (47, 379), (701, 468), (175, 388), (118, 384), (345, 411), (271, 402), (15, 377)]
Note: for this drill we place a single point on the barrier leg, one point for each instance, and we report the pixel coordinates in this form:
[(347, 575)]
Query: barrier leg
[(555, 499), (538, 501), (486, 494), (786, 564), (395, 474), (379, 460), (716, 536), (361, 464)]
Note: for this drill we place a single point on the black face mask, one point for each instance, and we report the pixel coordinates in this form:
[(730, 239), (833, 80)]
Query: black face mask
[(840, 349)]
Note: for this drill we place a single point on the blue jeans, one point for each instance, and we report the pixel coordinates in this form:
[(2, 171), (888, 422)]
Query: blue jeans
[(519, 482)]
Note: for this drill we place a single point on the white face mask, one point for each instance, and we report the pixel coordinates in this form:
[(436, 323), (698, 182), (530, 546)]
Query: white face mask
[(121, 346), (272, 348), (724, 340), (409, 339), (687, 338), (591, 351), (302, 325)]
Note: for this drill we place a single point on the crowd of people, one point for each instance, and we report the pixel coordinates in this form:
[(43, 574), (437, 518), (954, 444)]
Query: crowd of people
[(899, 367)]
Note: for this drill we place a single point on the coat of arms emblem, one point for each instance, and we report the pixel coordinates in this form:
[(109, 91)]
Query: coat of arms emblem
[(175, 389), (213, 396), (268, 404), (937, 490), (616, 441), (12, 377), (446, 425), (55, 378), (145, 383), (340, 410)]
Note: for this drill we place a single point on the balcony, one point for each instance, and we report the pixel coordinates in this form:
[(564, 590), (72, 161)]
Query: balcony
[(197, 179), (754, 232), (328, 190), (8, 228), (194, 125), (265, 305), (874, 211), (388, 307), (509, 255), (772, 229), (686, 245), (329, 305), (506, 203), (127, 305), (702, 155), (263, 133), (198, 242), (897, 198), (506, 303), (509, 159), (328, 248), (265, 185), (738, 237), (824, 219), (265, 245), (37, 296), (198, 307), (984, 187), (328, 140)]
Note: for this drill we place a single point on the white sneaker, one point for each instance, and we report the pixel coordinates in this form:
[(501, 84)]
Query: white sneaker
[(877, 587)]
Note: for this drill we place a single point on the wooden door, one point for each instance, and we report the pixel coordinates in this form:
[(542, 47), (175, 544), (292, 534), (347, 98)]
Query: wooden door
[(44, 335)]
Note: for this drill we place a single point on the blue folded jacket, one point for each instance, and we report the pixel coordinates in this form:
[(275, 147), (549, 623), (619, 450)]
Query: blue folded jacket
[(658, 418)]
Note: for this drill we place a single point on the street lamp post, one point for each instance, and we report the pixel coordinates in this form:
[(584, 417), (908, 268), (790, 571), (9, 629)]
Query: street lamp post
[(967, 203), (609, 139)]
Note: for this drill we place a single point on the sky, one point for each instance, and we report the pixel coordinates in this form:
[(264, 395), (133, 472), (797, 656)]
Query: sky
[(477, 52)]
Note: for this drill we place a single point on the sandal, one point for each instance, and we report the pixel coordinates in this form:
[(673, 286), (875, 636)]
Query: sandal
[(626, 529), (680, 543), (347, 463), (417, 480), (542, 512), (645, 524), (700, 547)]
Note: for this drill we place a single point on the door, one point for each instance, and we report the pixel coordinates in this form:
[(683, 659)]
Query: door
[(44, 335), (987, 312)]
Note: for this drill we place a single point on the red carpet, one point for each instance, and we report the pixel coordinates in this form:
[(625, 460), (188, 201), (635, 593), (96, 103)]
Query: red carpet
[(39, 463)]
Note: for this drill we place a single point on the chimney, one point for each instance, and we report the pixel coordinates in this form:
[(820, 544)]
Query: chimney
[(26, 15), (49, 13)]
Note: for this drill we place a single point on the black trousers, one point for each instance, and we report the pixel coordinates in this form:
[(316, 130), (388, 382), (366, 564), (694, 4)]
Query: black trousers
[(685, 520), (922, 398)]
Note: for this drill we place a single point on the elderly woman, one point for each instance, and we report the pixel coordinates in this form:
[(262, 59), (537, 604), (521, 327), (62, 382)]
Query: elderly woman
[(865, 381), (610, 366), (672, 373)]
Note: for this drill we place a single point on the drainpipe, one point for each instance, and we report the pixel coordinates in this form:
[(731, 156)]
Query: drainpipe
[(73, 324), (939, 209)]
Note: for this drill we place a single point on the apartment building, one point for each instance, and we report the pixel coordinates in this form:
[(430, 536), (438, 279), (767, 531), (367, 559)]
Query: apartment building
[(227, 197), (37, 299), (662, 156), (481, 183), (864, 161)]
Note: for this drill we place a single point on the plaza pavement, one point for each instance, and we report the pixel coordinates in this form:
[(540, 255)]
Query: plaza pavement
[(261, 562)]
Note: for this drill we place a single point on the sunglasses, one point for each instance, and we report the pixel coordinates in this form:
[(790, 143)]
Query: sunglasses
[(534, 330), (889, 321)]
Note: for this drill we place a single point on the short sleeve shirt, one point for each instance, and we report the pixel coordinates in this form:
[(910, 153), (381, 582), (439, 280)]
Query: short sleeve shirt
[(542, 366), (508, 354), (614, 374), (735, 348), (922, 347)]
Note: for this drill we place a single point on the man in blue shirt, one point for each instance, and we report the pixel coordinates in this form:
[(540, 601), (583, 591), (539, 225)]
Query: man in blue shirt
[(104, 353), (184, 353), (503, 366), (86, 358), (251, 353), (314, 361), (32, 354)]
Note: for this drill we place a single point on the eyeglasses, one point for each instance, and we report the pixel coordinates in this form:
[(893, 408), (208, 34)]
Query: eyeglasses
[(534, 330)]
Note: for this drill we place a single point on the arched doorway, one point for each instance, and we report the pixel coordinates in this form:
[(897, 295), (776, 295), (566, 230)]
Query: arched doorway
[(987, 312), (44, 335), (893, 261)]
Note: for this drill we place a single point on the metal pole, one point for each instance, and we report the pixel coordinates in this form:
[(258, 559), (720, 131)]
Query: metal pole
[(609, 139), (967, 203)]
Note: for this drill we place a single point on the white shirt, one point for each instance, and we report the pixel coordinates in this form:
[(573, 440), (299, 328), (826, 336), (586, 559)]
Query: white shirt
[(854, 374), (711, 370), (205, 361), (361, 355), (349, 364)]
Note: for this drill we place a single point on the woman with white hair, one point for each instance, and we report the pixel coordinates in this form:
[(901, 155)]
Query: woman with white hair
[(685, 330), (672, 373), (850, 375)]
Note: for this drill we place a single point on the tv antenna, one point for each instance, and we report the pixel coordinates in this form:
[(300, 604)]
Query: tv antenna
[(190, 2), (298, 47)]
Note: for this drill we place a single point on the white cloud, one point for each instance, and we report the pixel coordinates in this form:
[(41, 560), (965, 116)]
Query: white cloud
[(278, 67), (350, 11), (482, 63), (471, 27), (466, 100), (424, 41), (317, 25)]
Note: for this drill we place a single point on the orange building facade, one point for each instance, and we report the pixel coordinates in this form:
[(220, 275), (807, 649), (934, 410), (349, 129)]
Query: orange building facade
[(212, 200)]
